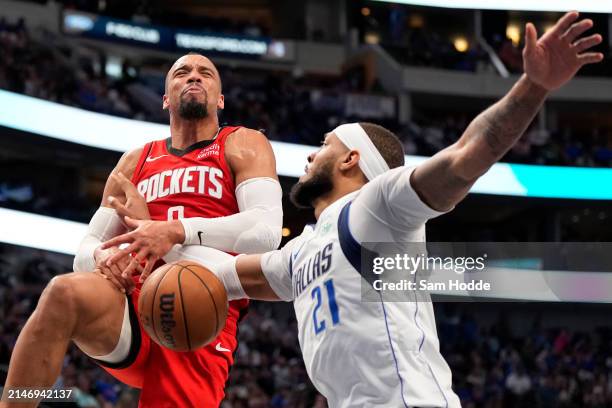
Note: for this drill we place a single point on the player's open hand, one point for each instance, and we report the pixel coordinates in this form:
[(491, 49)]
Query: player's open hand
[(555, 58), (147, 242), (135, 205)]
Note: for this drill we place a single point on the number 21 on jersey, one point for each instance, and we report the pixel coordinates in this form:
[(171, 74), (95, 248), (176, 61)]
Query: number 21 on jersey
[(320, 324)]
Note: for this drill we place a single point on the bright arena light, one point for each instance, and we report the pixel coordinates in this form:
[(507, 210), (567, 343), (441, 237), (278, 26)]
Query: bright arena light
[(590, 6), (57, 235), (513, 32), (117, 134), (41, 232), (461, 44)]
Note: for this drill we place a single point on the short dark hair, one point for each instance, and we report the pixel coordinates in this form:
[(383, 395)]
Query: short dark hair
[(387, 143)]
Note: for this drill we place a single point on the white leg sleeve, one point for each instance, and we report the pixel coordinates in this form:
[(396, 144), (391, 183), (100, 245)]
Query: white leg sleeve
[(122, 349)]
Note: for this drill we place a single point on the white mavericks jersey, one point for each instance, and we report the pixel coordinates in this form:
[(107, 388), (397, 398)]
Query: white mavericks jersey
[(359, 353)]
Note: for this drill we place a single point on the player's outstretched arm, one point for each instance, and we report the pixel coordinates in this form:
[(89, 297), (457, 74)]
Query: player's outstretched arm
[(251, 283), (549, 62), (261, 276)]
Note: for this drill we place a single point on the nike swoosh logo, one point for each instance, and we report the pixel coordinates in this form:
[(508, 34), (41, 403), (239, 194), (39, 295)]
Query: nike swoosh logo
[(200, 236), (152, 159), (218, 347)]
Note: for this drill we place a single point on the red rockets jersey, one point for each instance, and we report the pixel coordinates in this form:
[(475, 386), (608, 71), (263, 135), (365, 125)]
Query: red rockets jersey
[(196, 182)]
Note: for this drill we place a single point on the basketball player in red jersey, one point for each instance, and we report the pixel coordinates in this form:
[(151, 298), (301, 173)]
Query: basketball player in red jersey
[(223, 181)]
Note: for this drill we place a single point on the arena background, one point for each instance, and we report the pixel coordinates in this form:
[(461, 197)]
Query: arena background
[(81, 81)]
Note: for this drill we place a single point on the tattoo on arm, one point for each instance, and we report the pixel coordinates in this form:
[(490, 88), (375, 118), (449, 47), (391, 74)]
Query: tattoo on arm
[(446, 178), (503, 123)]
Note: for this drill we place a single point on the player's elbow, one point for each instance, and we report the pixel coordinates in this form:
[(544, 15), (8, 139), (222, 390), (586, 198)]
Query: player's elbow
[(82, 262), (84, 256), (75, 264), (467, 163), (262, 237), (265, 234)]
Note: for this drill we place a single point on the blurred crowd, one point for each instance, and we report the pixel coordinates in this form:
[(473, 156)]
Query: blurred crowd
[(547, 368), (269, 371), (158, 13), (426, 135), (437, 38), (57, 192), (23, 275), (42, 71), (427, 49), (492, 367), (421, 47), (290, 107)]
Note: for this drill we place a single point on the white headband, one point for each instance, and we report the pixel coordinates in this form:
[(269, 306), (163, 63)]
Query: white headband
[(355, 138)]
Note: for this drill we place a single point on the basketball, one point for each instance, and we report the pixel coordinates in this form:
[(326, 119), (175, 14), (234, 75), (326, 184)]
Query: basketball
[(183, 306)]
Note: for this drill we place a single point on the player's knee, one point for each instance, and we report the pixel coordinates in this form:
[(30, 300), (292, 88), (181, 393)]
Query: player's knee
[(55, 314), (59, 297)]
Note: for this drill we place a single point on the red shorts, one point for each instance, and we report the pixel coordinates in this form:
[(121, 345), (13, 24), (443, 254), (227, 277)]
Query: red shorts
[(178, 379)]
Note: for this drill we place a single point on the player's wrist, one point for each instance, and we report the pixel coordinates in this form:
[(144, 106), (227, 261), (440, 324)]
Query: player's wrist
[(534, 86), (228, 275), (193, 230), (100, 254), (177, 232)]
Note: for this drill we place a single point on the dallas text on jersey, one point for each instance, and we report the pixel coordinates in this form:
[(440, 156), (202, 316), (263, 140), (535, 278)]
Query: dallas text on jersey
[(312, 268)]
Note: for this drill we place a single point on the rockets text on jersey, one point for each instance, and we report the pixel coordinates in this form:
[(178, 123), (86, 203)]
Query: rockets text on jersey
[(203, 180), (195, 182)]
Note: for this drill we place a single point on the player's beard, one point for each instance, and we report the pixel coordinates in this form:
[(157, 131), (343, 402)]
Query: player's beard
[(192, 109), (303, 194)]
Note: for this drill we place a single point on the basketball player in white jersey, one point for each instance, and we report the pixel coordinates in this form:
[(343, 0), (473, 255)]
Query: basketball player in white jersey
[(386, 354)]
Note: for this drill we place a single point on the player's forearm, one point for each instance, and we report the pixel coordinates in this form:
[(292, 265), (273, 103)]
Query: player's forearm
[(252, 278), (84, 259), (104, 225), (243, 277), (255, 229), (446, 178), (492, 133), (251, 231)]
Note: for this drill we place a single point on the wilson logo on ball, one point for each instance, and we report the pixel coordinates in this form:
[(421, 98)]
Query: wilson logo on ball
[(182, 306), (166, 307)]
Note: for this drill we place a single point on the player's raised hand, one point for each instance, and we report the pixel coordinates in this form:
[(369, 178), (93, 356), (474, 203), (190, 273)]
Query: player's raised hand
[(554, 59), (135, 205), (148, 240)]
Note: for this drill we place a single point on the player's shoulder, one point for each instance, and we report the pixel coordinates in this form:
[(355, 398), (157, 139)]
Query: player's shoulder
[(132, 155), (292, 244), (385, 181), (128, 161), (246, 146), (243, 136)]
